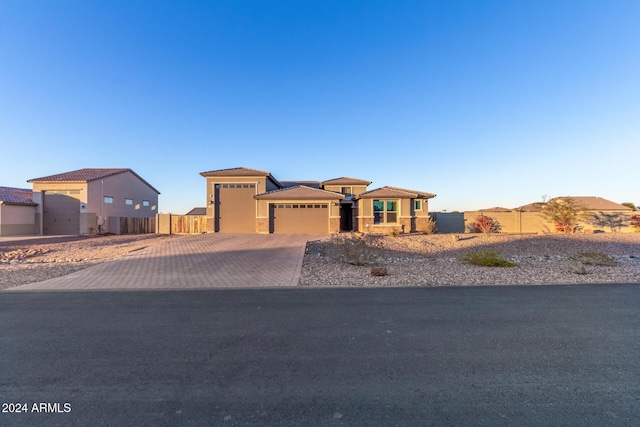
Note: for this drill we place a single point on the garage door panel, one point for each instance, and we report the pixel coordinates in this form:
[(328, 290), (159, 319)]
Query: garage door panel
[(236, 208), (297, 218), (61, 214)]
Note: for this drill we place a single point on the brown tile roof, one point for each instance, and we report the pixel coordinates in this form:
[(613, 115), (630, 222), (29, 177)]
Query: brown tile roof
[(531, 207), (346, 181), (495, 209), (16, 196), (396, 192), (197, 211), (300, 192), (241, 171), (592, 203), (87, 175), (313, 184)]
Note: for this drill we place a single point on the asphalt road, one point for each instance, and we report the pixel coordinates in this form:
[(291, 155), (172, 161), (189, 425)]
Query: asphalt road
[(536, 355)]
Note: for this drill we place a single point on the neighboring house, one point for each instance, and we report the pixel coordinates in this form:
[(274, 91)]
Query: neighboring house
[(601, 215), (17, 211), (496, 209), (86, 201), (244, 200), (197, 212)]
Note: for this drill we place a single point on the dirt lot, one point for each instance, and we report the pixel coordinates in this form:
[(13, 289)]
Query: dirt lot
[(37, 259)]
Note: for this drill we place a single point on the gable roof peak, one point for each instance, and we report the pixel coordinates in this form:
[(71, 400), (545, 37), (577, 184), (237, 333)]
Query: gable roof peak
[(84, 175), (89, 174), (300, 192), (397, 192), (238, 171), (346, 180)]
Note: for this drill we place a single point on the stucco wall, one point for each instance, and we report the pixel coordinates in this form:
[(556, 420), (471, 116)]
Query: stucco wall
[(120, 187), (17, 220), (534, 222), (356, 189)]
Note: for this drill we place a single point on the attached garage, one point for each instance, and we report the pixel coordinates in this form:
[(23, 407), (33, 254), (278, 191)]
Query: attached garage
[(61, 213), (235, 208), (300, 218), (299, 210)]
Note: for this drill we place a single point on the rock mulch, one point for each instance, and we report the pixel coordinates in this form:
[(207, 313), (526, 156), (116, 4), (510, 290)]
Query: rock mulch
[(434, 260)]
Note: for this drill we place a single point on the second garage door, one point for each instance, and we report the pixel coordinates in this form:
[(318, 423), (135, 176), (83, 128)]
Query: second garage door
[(236, 208), (300, 218), (61, 213)]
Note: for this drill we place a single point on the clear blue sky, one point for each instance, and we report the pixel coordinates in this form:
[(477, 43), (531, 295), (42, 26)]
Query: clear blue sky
[(484, 103)]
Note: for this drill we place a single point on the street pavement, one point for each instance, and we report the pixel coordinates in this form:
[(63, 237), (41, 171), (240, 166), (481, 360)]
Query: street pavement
[(201, 261), (527, 355)]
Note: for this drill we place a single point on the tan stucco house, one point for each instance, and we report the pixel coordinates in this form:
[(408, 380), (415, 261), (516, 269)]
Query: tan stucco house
[(86, 201), (17, 212), (245, 200)]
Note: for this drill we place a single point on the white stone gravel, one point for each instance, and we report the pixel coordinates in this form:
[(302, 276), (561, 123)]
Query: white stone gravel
[(434, 260)]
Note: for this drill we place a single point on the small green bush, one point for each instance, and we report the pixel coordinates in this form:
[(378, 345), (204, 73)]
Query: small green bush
[(594, 258), (487, 259)]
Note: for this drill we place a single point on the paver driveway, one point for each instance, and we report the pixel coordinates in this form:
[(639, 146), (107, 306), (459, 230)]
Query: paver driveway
[(202, 261)]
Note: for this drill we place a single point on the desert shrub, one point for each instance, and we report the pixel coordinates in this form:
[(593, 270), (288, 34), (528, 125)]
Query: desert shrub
[(635, 222), (430, 226), (353, 249), (394, 233), (485, 224), (487, 259), (593, 258)]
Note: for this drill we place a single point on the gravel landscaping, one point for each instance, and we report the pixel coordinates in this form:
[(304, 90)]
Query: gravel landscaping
[(406, 260), (435, 260)]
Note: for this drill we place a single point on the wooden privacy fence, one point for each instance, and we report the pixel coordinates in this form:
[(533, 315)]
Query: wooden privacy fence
[(137, 225), (181, 224)]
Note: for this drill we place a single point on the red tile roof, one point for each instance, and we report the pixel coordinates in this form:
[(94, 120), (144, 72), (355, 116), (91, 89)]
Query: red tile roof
[(87, 175), (16, 196), (300, 192)]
